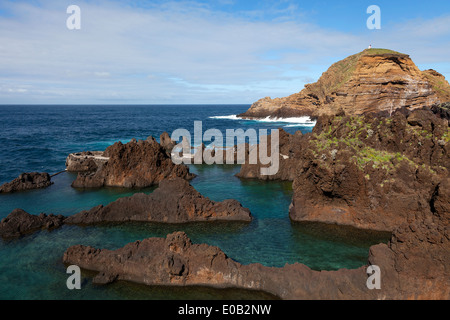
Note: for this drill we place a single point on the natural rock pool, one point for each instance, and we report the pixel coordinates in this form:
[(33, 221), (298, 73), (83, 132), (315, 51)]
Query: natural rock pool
[(31, 267)]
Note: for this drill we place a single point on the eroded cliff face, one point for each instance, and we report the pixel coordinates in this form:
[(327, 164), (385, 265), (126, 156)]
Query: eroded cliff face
[(372, 81), (383, 83), (371, 172)]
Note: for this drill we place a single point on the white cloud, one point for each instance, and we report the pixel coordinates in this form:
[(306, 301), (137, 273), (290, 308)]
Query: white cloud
[(178, 54), (101, 74)]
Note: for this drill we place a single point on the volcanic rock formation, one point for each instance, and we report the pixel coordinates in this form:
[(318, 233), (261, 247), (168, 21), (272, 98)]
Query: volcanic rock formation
[(289, 153), (135, 164), (371, 172), (175, 201), (19, 223), (27, 181), (368, 82), (166, 142), (414, 265)]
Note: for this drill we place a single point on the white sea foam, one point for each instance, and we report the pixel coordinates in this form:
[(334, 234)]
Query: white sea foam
[(308, 124), (230, 117), (305, 121), (293, 122)]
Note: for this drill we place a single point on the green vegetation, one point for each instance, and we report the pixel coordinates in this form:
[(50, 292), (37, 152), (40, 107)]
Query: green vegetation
[(340, 73), (344, 70), (420, 134), (352, 135), (380, 51), (380, 159), (446, 136), (440, 85)]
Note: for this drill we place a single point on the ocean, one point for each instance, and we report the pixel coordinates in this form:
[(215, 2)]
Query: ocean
[(39, 138)]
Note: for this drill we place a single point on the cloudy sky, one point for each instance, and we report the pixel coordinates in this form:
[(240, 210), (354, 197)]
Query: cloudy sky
[(187, 52)]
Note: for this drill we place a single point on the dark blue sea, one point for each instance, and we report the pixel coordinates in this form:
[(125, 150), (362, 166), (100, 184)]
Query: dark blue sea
[(39, 138)]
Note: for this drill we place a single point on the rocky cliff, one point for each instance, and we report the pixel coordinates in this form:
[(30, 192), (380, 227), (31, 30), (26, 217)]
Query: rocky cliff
[(368, 82), (371, 172)]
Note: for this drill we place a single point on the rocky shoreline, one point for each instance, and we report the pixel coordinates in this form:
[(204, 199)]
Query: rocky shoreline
[(387, 173), (378, 159), (176, 261), (410, 147), (370, 172)]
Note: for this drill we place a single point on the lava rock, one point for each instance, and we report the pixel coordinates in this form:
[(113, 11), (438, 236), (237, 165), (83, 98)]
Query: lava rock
[(136, 164), (19, 223), (27, 181), (175, 201)]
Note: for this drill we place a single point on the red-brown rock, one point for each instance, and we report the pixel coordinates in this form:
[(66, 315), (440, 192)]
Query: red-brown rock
[(371, 172), (27, 181), (135, 164), (19, 223), (289, 153), (176, 261), (175, 201), (368, 82)]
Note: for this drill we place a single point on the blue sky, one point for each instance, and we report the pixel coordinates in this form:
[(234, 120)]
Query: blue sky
[(220, 51)]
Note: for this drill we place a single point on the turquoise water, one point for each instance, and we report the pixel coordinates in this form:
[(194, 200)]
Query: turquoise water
[(31, 267)]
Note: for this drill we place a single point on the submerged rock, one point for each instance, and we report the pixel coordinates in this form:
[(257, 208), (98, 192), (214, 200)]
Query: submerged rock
[(27, 181), (175, 201), (19, 223)]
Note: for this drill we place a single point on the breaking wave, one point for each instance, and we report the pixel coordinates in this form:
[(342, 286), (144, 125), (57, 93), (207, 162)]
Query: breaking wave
[(293, 122)]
